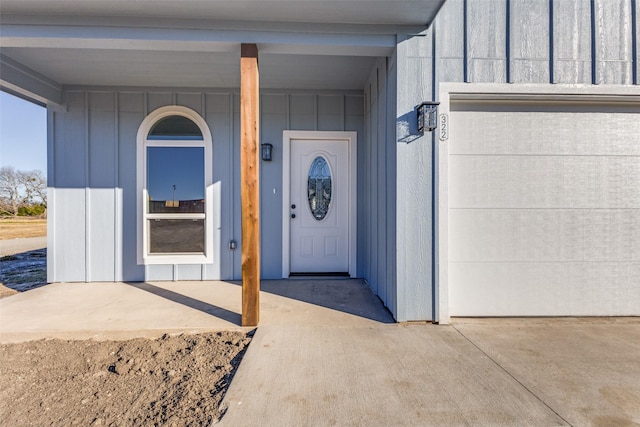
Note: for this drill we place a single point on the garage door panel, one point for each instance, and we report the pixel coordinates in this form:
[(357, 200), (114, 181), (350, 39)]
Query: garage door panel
[(545, 133), (512, 235), (544, 181), (612, 235), (544, 289), (543, 209)]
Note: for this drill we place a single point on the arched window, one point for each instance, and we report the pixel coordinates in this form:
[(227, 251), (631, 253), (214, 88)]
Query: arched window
[(174, 180)]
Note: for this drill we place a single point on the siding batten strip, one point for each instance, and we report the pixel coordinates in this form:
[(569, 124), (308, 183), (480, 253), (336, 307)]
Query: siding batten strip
[(634, 43), (551, 54), (209, 235), (250, 186), (507, 39), (315, 111), (87, 193), (234, 190), (434, 67), (288, 111), (344, 112), (116, 202), (465, 39), (594, 41)]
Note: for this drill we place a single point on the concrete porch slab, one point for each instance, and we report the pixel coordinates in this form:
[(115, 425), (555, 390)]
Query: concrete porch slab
[(126, 310), (119, 310)]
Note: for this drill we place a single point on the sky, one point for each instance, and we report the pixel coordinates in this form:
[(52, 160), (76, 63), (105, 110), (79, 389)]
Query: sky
[(23, 134)]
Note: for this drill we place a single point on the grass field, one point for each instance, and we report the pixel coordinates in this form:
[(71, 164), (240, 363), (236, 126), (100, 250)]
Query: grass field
[(16, 228)]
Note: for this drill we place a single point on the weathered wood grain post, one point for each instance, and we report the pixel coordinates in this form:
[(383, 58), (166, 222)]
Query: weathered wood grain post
[(249, 183)]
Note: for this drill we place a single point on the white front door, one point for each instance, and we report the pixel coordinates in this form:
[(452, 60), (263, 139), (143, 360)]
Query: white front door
[(319, 209)]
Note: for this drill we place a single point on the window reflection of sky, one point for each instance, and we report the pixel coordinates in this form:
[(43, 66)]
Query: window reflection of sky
[(175, 127), (179, 166)]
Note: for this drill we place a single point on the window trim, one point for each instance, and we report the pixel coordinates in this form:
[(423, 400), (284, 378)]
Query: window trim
[(142, 142)]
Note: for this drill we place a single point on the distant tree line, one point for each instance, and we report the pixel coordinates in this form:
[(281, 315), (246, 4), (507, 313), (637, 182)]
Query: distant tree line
[(22, 193)]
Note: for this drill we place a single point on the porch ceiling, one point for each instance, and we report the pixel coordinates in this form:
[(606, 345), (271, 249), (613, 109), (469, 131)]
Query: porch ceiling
[(80, 67), (395, 12), (46, 45)]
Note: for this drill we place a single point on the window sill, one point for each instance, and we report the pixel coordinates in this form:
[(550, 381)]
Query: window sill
[(176, 259)]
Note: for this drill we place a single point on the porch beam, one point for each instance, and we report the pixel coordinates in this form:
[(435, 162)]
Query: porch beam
[(249, 183), (26, 83), (99, 37)]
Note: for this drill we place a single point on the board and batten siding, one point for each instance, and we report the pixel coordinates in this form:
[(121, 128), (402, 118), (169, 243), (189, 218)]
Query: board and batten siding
[(491, 41), (322, 111), (376, 166), (532, 41), (92, 177)]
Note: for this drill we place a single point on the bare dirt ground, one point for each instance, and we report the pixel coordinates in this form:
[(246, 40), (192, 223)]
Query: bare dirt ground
[(6, 292), (173, 381)]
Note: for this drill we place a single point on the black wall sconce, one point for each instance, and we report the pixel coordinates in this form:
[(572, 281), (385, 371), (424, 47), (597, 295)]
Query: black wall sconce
[(266, 152), (427, 116)]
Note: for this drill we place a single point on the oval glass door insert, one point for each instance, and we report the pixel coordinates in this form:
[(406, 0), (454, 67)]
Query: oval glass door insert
[(319, 188)]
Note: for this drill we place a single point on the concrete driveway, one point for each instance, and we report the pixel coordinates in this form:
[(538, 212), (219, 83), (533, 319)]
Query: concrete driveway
[(328, 353), (17, 246), (499, 372), (587, 371)]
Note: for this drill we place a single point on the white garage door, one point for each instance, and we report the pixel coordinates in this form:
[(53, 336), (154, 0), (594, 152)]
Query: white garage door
[(544, 209)]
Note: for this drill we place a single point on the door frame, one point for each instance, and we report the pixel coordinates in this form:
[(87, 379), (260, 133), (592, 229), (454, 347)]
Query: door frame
[(310, 136)]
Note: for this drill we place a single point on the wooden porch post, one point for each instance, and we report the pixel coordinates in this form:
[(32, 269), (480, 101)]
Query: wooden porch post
[(249, 183)]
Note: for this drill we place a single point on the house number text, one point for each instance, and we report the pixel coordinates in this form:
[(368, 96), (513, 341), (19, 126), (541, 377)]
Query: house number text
[(444, 127)]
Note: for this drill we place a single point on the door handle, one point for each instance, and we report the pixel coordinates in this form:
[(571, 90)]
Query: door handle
[(293, 206), (293, 216)]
